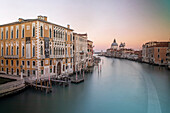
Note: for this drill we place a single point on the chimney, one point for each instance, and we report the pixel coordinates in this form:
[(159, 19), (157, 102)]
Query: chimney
[(45, 18), (40, 17), (20, 19), (68, 26)]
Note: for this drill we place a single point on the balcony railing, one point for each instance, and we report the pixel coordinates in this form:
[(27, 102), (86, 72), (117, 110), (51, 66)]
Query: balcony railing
[(52, 56), (42, 56), (11, 56)]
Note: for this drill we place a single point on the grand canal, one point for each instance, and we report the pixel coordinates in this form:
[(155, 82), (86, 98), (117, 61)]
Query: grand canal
[(121, 87)]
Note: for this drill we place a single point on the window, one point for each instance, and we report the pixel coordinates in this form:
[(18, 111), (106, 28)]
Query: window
[(54, 33), (2, 51), (66, 36), (63, 67), (17, 50), (23, 33), (7, 34), (50, 62), (17, 32), (66, 51), (23, 63), (66, 60), (12, 63), (41, 31), (158, 56), (54, 51), (50, 50), (158, 50), (50, 70), (28, 63), (17, 62), (41, 50), (70, 37), (7, 51), (33, 63), (6, 62), (41, 63), (12, 34), (2, 62), (12, 51), (2, 69), (23, 51), (2, 35), (33, 31), (50, 33), (42, 71), (33, 51), (33, 72)]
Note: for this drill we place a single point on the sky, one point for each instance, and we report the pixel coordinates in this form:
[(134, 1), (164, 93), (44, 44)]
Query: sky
[(134, 22)]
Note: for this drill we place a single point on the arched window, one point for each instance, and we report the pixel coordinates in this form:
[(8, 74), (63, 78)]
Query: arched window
[(70, 51), (7, 51), (23, 51), (54, 51), (33, 51), (2, 35), (54, 33), (41, 31), (23, 33), (17, 50), (59, 51), (12, 51), (63, 51), (66, 51), (7, 34), (50, 33), (50, 50), (2, 51), (33, 31), (12, 34), (66, 36), (17, 33), (41, 50)]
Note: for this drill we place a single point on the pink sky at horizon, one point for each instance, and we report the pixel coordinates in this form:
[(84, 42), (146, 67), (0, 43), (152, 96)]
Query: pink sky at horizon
[(134, 22)]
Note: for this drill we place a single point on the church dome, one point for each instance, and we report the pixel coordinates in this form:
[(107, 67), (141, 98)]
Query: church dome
[(114, 43)]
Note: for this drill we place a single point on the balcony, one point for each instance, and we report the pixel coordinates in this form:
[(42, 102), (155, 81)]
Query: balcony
[(11, 56), (52, 56), (42, 56)]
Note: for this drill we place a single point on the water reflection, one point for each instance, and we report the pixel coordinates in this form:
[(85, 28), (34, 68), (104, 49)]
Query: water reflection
[(121, 86)]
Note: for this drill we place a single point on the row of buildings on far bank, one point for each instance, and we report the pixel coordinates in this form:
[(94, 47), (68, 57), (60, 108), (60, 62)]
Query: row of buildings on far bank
[(39, 48), (152, 52)]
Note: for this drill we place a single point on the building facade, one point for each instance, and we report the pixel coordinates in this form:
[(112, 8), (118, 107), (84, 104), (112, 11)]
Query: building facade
[(80, 51), (90, 53), (155, 53), (39, 47)]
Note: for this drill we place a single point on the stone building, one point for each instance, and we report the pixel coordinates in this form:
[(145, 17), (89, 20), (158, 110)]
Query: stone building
[(80, 51), (39, 47), (90, 52), (155, 53)]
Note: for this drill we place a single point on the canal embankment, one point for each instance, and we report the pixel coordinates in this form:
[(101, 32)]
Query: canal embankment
[(13, 86)]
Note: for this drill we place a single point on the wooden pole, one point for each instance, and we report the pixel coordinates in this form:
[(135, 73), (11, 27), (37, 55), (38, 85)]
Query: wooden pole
[(36, 83), (41, 85), (50, 84)]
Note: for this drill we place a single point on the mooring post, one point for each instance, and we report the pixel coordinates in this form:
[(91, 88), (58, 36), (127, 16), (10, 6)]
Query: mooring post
[(41, 84), (36, 83), (50, 84)]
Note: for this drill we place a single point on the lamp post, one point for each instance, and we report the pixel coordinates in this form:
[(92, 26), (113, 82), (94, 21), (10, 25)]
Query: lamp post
[(21, 72)]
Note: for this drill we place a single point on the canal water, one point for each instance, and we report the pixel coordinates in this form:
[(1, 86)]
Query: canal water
[(122, 86)]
